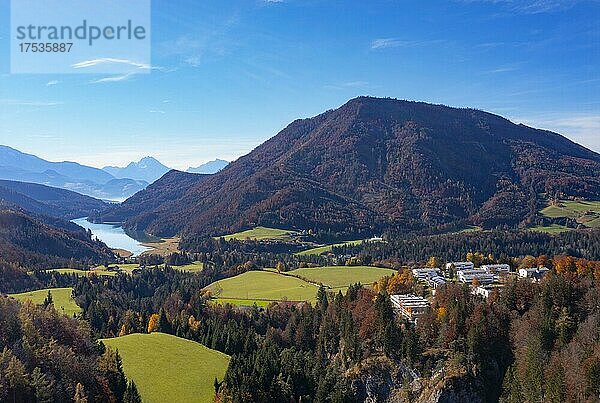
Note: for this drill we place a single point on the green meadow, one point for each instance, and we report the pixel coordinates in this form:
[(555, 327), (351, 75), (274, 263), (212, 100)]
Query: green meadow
[(550, 229), (241, 302), (327, 248), (194, 267), (264, 286), (585, 212), (63, 302), (261, 234), (166, 368), (342, 276)]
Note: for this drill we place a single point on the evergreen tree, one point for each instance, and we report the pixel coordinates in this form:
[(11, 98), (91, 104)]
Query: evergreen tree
[(48, 300), (131, 393)]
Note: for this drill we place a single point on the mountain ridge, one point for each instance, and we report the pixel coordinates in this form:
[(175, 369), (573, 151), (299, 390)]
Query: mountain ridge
[(378, 164), (22, 167), (148, 169)]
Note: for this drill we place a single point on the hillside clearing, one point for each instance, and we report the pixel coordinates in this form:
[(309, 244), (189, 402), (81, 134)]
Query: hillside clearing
[(327, 248), (166, 368), (551, 229), (260, 234), (263, 285), (164, 247), (342, 276), (586, 212), (63, 301)]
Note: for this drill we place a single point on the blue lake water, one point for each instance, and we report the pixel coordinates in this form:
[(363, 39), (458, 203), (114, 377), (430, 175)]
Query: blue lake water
[(114, 236)]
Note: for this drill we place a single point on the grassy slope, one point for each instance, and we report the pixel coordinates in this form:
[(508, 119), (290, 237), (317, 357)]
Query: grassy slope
[(241, 302), (61, 297), (166, 368), (194, 267), (343, 276), (263, 285), (164, 247), (585, 212), (551, 229), (260, 233), (326, 248)]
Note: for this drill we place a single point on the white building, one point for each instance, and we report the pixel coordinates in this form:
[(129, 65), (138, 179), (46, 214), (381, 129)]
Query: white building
[(496, 268), (426, 273), (535, 273), (485, 292), (468, 275), (460, 265), (409, 306), (436, 281)]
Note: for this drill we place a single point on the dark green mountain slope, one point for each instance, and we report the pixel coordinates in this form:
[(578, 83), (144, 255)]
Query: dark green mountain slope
[(374, 165)]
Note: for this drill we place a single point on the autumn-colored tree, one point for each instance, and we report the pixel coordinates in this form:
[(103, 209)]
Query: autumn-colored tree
[(153, 323), (80, 395), (476, 258), (400, 283), (280, 267), (432, 262), (441, 313), (527, 261)]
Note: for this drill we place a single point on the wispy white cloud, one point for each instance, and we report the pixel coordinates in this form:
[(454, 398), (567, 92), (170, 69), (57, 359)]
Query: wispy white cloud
[(52, 83), (37, 104), (347, 85), (384, 43), (160, 112), (113, 79), (532, 6), (110, 60), (507, 68)]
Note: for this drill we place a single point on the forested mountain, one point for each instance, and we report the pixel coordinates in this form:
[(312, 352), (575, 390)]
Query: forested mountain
[(44, 242), (147, 169), (49, 201), (381, 164), (147, 204)]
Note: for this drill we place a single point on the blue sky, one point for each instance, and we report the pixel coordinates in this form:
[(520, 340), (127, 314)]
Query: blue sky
[(228, 75)]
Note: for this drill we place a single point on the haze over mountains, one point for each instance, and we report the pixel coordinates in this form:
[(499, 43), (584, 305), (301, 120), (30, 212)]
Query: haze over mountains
[(377, 165), (109, 183), (210, 167), (147, 169), (19, 166)]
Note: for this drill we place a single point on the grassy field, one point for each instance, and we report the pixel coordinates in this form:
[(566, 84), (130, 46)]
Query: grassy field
[(164, 247), (241, 302), (343, 276), (194, 267), (263, 285), (585, 212), (551, 229), (166, 368), (326, 248), (61, 297), (260, 234)]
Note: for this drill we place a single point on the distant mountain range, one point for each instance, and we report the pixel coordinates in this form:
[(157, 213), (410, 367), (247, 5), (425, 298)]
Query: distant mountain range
[(147, 169), (210, 167), (18, 166), (376, 165)]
